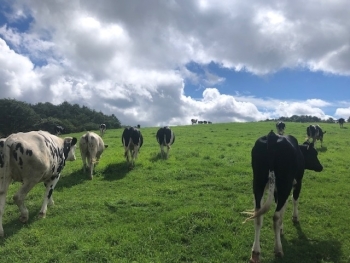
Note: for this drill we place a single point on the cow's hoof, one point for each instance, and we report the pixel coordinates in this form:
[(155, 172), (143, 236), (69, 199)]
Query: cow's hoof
[(279, 254), (23, 219), (41, 215), (255, 258), (295, 219)]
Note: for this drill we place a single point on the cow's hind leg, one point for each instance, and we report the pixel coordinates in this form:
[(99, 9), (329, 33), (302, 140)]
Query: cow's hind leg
[(278, 223), (258, 222), (296, 193), (19, 197), (4, 185), (48, 199)]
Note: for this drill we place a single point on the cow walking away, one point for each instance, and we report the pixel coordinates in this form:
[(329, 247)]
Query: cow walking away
[(58, 130), (132, 141), (165, 138), (280, 127), (315, 133), (91, 148), (102, 129), (30, 158), (193, 121), (278, 164), (341, 122)]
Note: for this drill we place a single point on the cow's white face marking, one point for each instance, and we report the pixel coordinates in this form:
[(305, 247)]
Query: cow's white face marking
[(71, 153)]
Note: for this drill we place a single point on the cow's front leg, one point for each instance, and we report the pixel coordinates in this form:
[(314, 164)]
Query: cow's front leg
[(50, 186)]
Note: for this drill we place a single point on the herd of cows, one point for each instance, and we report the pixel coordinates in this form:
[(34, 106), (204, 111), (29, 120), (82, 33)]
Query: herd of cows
[(277, 160)]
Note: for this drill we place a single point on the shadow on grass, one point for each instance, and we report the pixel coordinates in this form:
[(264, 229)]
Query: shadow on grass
[(116, 171), (13, 226), (322, 149), (156, 157), (71, 180), (304, 249)]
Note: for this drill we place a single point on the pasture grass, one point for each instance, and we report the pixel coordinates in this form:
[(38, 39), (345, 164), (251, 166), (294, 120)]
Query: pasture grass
[(184, 209)]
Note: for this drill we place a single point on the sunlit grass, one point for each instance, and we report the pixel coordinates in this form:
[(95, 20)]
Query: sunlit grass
[(184, 209)]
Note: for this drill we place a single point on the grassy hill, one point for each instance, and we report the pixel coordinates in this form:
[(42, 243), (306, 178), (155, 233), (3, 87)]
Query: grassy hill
[(186, 208)]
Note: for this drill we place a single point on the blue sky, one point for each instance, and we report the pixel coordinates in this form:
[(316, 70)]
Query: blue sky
[(228, 61)]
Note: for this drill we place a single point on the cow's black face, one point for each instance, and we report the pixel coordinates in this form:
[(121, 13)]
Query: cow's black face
[(310, 156)]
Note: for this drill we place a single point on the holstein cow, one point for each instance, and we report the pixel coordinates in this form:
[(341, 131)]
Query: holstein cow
[(193, 121), (30, 158), (102, 129), (165, 137), (58, 130), (91, 148), (278, 164), (280, 126), (315, 132), (341, 122), (132, 141)]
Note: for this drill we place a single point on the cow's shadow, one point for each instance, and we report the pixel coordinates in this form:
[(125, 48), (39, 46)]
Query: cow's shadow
[(306, 250), (74, 178), (116, 171), (322, 149), (14, 225)]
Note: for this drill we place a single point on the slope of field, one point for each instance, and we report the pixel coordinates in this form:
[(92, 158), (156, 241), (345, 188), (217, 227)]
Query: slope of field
[(186, 208)]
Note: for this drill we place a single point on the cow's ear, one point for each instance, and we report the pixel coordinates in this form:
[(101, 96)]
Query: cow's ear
[(74, 141)]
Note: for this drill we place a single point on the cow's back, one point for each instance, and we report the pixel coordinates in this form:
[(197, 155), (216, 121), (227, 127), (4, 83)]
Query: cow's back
[(34, 154), (284, 157)]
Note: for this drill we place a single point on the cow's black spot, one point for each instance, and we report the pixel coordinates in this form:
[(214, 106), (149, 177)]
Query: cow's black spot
[(20, 161), (15, 155), (1, 143), (53, 170), (50, 193), (20, 147), (29, 152)]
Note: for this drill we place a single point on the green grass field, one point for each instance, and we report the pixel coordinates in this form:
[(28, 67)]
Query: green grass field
[(186, 208)]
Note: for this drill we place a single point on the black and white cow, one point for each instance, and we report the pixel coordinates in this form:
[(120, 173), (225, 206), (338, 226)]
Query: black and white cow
[(165, 137), (315, 132), (193, 121), (30, 158), (102, 129), (200, 122), (58, 130), (91, 148), (278, 164), (132, 141), (341, 122), (280, 126)]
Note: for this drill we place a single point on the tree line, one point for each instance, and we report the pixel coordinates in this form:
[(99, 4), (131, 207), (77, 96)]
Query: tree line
[(18, 116), (305, 118)]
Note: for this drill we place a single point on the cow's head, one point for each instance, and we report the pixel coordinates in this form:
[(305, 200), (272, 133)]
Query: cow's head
[(310, 157), (69, 148)]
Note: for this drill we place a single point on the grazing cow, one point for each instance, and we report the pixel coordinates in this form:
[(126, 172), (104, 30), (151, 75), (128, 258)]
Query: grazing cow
[(209, 122), (205, 122), (200, 122), (341, 122), (30, 158), (193, 121), (132, 141), (315, 133), (58, 130), (91, 148), (102, 129), (165, 137), (278, 164), (280, 126)]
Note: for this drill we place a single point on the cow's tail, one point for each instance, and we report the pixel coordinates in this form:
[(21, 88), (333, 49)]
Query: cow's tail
[(271, 151), (167, 144), (267, 205), (4, 166), (92, 147)]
